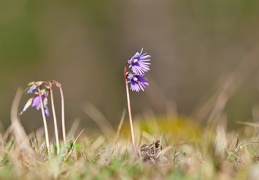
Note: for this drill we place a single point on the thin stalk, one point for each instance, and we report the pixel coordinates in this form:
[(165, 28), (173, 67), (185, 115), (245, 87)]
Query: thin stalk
[(63, 115), (44, 122), (119, 129), (54, 117), (129, 110), (62, 111)]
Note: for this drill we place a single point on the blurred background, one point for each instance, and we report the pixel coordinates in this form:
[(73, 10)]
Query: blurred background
[(204, 56)]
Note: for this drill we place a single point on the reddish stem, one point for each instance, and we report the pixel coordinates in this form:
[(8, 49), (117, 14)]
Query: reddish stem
[(129, 109)]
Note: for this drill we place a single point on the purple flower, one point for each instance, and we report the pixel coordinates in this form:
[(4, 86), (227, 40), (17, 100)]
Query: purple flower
[(32, 88), (46, 110), (35, 102), (139, 63), (137, 82)]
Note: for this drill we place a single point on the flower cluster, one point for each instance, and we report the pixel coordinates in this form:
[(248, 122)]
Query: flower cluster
[(139, 64), (34, 88)]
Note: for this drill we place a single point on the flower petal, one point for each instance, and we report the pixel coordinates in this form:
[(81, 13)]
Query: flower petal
[(139, 63), (46, 110), (27, 105), (32, 89), (137, 82)]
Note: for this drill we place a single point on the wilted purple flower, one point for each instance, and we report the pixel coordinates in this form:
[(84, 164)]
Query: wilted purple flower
[(139, 63), (32, 89), (137, 82), (46, 110), (33, 86), (35, 102)]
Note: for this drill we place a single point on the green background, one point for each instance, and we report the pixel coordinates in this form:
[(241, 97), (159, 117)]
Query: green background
[(195, 46)]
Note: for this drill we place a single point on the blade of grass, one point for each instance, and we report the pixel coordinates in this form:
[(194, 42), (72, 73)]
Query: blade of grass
[(119, 128), (100, 120)]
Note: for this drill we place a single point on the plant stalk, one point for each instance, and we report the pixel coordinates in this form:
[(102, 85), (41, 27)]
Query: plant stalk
[(62, 111), (44, 122), (129, 111), (54, 117)]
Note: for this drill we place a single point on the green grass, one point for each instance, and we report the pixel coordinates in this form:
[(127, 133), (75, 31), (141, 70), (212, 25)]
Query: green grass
[(208, 152), (169, 147)]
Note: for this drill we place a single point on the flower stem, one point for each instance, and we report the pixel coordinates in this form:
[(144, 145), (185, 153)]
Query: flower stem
[(44, 122), (129, 110), (62, 111), (54, 117)]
